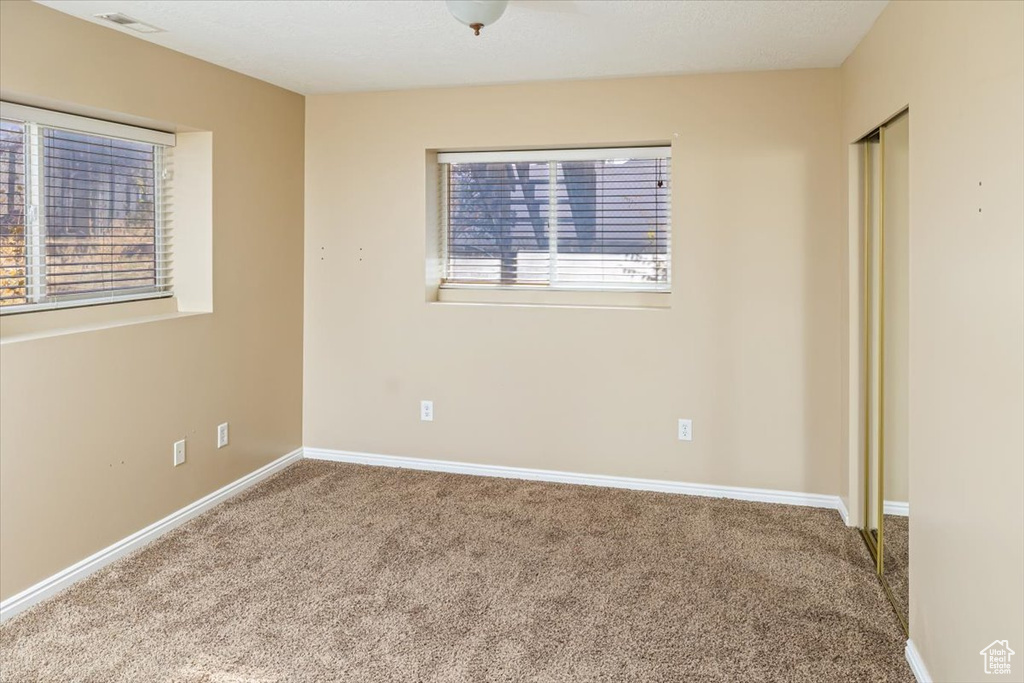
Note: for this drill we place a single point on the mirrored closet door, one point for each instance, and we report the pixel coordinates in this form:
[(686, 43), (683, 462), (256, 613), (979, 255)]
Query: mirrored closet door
[(885, 307)]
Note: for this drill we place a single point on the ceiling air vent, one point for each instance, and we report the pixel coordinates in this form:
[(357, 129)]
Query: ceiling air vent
[(128, 22)]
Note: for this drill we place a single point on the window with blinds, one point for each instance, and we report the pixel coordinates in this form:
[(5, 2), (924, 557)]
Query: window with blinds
[(566, 219), (83, 211)]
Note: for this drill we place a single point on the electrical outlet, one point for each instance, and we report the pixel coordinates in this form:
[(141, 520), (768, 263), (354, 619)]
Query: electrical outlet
[(685, 430), (179, 452), (427, 411), (222, 435)]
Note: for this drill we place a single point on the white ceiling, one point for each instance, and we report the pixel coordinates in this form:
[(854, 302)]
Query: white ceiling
[(328, 46)]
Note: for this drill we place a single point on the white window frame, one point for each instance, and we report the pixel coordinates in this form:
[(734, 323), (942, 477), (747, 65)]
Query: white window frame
[(552, 157), (34, 119)]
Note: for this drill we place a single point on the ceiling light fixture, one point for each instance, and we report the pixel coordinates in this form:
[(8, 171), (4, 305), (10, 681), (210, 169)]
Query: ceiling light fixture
[(477, 13), (127, 22)]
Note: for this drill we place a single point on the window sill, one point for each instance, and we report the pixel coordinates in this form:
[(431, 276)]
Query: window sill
[(526, 296), (44, 324)]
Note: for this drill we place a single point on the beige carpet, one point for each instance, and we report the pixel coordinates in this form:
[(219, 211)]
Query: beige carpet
[(335, 572)]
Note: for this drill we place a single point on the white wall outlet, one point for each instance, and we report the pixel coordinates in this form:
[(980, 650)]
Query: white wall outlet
[(685, 430), (222, 435), (179, 452), (427, 411)]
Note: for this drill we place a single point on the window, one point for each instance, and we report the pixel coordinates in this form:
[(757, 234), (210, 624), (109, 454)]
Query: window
[(565, 219), (83, 211)]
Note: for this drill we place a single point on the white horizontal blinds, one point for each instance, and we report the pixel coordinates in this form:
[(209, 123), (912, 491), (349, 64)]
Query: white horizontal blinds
[(165, 217), (498, 223), (95, 227), (13, 248), (581, 219), (613, 223), (100, 215)]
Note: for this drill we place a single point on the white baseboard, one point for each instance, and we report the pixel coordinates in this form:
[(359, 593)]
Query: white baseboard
[(843, 512), (895, 507), (816, 500), (889, 507), (78, 571), (916, 663)]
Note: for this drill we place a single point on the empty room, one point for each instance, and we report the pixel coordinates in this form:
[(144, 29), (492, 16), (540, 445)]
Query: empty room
[(511, 340)]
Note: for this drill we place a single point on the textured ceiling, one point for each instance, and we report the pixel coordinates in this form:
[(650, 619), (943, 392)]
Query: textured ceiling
[(334, 46)]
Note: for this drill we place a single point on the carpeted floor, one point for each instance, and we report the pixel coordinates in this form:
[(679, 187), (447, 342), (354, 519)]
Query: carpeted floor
[(333, 572), (897, 561)]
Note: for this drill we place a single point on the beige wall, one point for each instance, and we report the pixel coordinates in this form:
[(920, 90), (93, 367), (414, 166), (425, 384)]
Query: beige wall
[(749, 349), (87, 419), (960, 68)]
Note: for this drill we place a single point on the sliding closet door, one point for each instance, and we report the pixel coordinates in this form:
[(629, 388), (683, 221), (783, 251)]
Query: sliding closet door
[(872, 325), (885, 361), (896, 360)]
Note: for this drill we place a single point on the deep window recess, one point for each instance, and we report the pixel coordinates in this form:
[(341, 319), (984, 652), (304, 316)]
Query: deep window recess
[(561, 219), (83, 211)]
